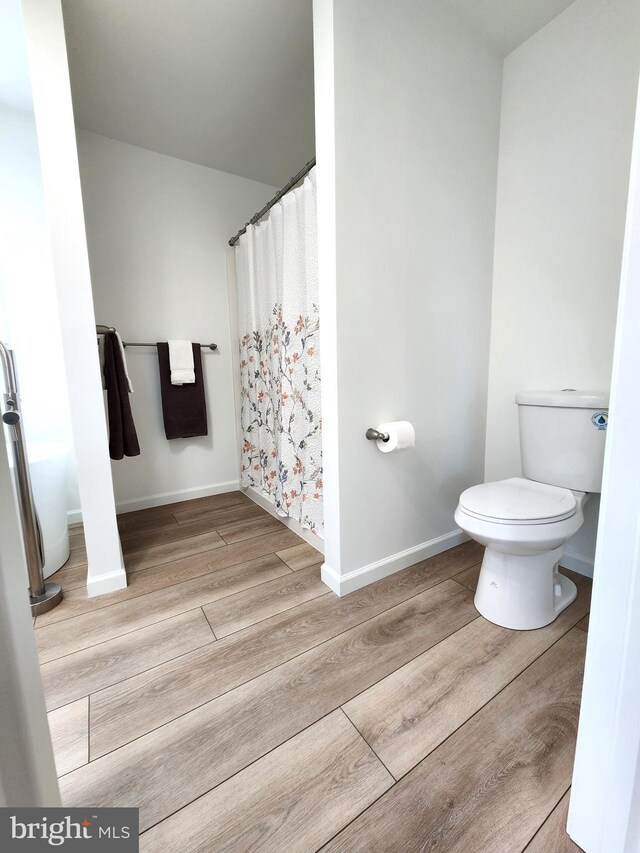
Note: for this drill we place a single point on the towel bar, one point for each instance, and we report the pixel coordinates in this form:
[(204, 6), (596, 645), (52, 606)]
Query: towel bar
[(104, 330), (132, 344)]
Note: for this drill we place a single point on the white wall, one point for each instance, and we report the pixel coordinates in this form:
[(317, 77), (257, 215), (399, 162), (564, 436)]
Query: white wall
[(27, 769), (603, 813), (157, 230), (28, 300), (416, 105), (565, 145)]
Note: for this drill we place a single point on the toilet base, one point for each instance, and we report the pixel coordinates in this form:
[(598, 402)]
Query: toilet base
[(522, 592)]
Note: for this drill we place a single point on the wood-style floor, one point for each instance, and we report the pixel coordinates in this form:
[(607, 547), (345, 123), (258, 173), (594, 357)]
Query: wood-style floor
[(242, 706)]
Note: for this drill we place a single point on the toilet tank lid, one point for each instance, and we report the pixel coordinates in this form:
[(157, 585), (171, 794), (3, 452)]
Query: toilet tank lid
[(567, 398)]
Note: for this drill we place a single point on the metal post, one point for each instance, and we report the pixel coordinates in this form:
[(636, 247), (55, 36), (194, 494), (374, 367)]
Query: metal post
[(44, 596)]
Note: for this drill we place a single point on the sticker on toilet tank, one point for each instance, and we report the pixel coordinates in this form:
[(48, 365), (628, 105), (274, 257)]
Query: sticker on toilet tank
[(600, 419)]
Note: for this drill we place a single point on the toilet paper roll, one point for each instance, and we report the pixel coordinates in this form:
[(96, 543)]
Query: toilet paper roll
[(401, 435)]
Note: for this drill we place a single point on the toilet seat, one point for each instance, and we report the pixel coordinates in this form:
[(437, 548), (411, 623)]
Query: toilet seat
[(518, 501)]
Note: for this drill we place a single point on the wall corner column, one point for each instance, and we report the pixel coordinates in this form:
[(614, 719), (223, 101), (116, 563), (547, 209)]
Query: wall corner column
[(323, 49), (53, 110)]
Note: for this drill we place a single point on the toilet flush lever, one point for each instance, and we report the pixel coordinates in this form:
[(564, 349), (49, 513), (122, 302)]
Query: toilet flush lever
[(373, 435)]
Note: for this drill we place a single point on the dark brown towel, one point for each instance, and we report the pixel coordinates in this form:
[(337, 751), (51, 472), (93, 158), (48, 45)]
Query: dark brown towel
[(123, 439), (184, 409)]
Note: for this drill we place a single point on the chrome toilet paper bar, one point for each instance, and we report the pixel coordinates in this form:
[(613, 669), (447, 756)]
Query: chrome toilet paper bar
[(373, 435)]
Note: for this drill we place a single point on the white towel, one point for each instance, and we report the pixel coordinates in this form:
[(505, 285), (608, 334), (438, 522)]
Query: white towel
[(181, 363)]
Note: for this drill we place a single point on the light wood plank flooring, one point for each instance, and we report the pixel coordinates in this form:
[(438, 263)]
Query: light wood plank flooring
[(237, 702)]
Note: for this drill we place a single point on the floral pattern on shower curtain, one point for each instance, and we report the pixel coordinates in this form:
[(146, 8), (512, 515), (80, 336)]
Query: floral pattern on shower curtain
[(277, 273)]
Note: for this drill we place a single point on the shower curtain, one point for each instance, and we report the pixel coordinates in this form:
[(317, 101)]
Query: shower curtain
[(277, 273)]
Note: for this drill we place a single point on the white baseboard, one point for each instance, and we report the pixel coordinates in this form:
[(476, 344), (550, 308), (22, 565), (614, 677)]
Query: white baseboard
[(107, 583), (344, 584), (75, 516), (577, 563), (176, 497), (313, 540)]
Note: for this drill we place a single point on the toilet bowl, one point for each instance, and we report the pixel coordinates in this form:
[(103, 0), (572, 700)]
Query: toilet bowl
[(524, 526), (525, 522)]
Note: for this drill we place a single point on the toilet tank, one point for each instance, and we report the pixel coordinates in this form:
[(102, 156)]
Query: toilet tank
[(562, 437)]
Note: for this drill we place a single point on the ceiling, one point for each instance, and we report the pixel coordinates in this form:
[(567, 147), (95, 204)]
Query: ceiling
[(224, 83), (505, 24), (227, 83)]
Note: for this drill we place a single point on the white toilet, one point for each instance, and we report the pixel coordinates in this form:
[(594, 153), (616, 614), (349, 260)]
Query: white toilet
[(525, 523)]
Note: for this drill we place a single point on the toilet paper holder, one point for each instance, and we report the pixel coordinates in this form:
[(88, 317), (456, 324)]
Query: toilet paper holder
[(373, 435)]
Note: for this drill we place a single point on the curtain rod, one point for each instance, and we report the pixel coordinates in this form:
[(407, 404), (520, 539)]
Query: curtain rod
[(104, 330), (258, 216)]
